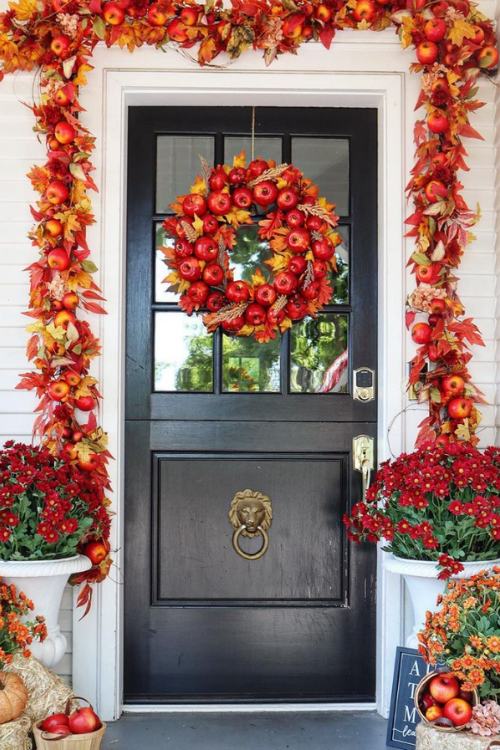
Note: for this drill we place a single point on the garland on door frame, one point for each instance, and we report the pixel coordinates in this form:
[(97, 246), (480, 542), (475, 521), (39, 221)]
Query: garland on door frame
[(454, 44), (300, 228)]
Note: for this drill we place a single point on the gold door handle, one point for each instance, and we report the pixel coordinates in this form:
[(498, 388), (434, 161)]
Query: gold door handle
[(363, 457), (250, 514)]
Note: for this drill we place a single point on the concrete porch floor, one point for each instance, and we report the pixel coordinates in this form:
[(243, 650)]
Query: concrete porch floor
[(243, 731)]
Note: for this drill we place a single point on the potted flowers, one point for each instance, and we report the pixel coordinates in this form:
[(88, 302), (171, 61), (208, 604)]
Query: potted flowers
[(438, 512), (49, 509)]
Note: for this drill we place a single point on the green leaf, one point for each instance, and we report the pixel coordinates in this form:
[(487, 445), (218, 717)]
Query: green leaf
[(88, 266), (99, 27)]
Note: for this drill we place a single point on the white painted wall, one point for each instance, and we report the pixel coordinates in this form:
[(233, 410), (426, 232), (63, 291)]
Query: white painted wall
[(19, 149)]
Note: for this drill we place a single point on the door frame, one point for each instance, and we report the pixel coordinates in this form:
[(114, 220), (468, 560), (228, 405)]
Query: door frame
[(319, 79)]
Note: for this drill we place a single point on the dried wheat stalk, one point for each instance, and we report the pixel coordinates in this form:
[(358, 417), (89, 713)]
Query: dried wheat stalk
[(269, 174), (226, 313), (318, 211), (189, 231), (279, 303), (205, 169), (308, 275)]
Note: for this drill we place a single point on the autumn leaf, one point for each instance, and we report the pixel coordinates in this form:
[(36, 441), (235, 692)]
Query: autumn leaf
[(198, 225), (467, 329), (199, 186), (207, 50), (240, 159), (258, 278), (238, 216), (461, 30), (269, 225), (24, 9), (462, 431)]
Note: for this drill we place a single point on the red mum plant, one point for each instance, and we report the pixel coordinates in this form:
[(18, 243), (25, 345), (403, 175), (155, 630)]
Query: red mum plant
[(464, 633), (49, 507), (434, 504), (16, 633)]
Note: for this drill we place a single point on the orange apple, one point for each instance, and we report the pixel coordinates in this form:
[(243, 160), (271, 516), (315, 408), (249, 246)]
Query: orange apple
[(427, 52), (72, 377), (58, 390), (364, 10), (487, 57), (53, 227), (60, 45), (64, 318), (70, 300), (64, 132), (433, 713), (435, 190), (113, 14)]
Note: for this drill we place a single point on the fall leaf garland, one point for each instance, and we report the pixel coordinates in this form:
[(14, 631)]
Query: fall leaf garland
[(454, 44), (296, 225)]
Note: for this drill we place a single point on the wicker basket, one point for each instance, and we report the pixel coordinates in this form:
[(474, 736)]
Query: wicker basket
[(421, 687), (90, 741)]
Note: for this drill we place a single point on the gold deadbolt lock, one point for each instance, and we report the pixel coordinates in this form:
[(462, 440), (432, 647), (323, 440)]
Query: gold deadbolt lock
[(251, 514), (363, 386)]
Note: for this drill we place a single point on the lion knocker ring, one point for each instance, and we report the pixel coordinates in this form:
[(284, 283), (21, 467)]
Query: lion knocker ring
[(250, 514)]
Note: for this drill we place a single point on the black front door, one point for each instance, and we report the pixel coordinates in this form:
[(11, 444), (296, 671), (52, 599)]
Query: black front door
[(210, 415)]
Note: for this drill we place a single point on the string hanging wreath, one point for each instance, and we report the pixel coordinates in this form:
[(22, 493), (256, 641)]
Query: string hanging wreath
[(298, 225), (454, 45)]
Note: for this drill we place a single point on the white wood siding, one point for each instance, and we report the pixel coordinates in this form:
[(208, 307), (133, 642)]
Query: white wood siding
[(19, 149)]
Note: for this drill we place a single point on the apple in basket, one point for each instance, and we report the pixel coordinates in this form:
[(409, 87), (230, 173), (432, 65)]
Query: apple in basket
[(84, 720)]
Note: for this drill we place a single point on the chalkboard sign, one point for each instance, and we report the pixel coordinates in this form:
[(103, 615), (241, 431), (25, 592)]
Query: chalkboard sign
[(409, 669)]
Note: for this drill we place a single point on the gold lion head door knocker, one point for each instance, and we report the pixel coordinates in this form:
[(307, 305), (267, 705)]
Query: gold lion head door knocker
[(251, 514)]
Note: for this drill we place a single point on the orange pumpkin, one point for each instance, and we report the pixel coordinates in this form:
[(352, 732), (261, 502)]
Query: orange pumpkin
[(13, 697)]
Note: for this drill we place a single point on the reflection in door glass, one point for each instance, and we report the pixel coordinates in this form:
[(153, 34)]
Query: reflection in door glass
[(318, 355), (265, 147), (161, 270), (250, 367), (326, 162), (177, 164), (250, 253), (340, 281), (183, 352)]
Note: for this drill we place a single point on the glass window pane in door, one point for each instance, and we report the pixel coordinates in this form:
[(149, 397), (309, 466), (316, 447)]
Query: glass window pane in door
[(318, 354), (340, 280), (267, 147), (183, 354), (250, 367), (326, 162), (161, 270), (177, 164)]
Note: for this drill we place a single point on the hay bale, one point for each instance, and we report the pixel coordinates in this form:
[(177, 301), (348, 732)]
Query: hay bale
[(429, 738), (47, 692), (15, 735)]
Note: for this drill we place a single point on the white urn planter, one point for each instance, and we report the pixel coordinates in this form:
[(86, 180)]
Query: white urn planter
[(424, 586), (43, 582)]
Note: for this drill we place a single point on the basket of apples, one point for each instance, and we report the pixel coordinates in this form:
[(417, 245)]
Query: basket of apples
[(442, 702), (80, 729)]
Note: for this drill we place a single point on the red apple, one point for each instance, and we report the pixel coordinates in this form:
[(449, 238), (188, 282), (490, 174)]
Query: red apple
[(256, 168), (287, 199), (444, 687), (52, 721), (487, 57), (237, 175), (53, 227), (311, 291), (237, 291), (453, 384), (298, 240), (460, 408), (435, 29), (264, 193), (65, 95), (234, 325), (58, 259), (206, 248), (215, 301), (428, 700), (293, 25), (479, 35), (242, 197), (275, 317), (58, 390), (285, 282), (364, 10), (113, 14), (323, 13), (210, 224), (71, 300), (96, 552), (64, 318), (320, 269), (217, 179), (85, 403), (421, 333), (213, 274), (296, 308), (255, 315), (60, 45), (219, 203), (183, 249), (437, 122), (458, 711), (194, 204), (428, 274), (435, 190), (190, 269), (156, 15), (297, 264), (265, 295), (323, 249), (198, 291), (57, 192), (72, 377), (64, 132), (89, 464), (189, 16), (433, 712), (314, 223), (295, 218), (84, 720), (438, 306), (427, 52)]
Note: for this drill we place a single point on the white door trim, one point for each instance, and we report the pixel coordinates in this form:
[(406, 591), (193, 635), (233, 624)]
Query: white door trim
[(319, 79)]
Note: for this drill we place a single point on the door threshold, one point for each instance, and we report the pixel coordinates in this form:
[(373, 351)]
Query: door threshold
[(189, 708)]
